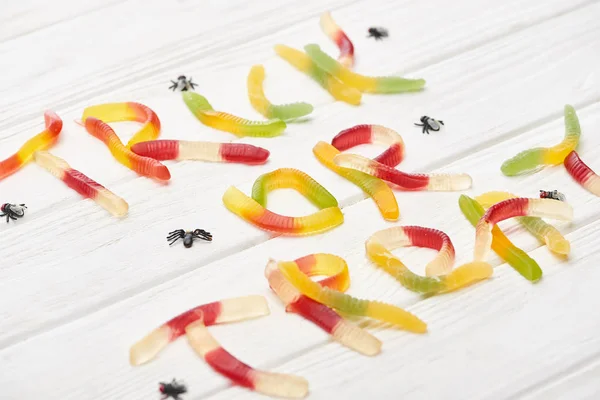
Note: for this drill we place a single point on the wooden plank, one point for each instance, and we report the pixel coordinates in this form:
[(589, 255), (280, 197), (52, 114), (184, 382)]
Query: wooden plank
[(286, 343), (111, 252)]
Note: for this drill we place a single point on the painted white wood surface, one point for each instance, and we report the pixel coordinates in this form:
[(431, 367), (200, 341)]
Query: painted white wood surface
[(78, 287)]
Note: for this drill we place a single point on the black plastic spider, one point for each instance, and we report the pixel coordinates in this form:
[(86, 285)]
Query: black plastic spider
[(430, 124), (183, 83), (188, 236), (12, 211), (552, 194), (378, 33), (173, 389)]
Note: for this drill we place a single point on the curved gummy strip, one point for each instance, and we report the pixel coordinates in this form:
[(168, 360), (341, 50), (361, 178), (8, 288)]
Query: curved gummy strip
[(536, 226), (377, 189), (202, 151), (366, 84), (418, 236), (403, 180), (379, 249), (378, 134), (582, 174), (517, 207), (303, 63), (534, 159), (271, 384), (81, 183), (41, 141), (144, 166), (514, 256), (129, 111), (222, 121), (347, 304), (218, 312), (324, 317), (335, 33), (261, 104), (290, 178), (251, 211)]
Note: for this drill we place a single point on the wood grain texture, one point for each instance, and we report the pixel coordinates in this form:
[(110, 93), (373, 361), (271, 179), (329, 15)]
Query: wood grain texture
[(79, 287)]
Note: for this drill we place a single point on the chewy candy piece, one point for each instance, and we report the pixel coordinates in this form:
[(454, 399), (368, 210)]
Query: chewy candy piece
[(81, 183), (202, 151), (440, 276), (347, 304), (252, 212), (42, 141), (129, 111), (303, 63), (534, 159), (514, 256), (290, 178), (403, 180), (219, 359), (218, 312), (517, 207), (374, 187), (366, 84), (378, 134), (337, 35), (144, 166), (324, 317), (261, 104), (582, 174), (536, 226), (222, 121)]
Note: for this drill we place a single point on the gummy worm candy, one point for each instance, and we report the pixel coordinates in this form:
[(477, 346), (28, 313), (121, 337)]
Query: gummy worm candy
[(290, 178), (440, 276), (324, 317), (260, 103), (347, 304), (536, 226), (303, 63), (582, 174), (252, 211), (377, 189), (273, 384), (534, 159), (517, 207), (41, 141), (514, 256), (218, 312), (129, 111), (144, 166), (81, 183), (338, 36), (203, 151), (403, 180), (222, 121), (363, 134), (366, 84)]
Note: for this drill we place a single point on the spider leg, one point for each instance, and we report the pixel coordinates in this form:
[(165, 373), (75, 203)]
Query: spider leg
[(178, 231), (419, 124), (441, 122), (174, 240)]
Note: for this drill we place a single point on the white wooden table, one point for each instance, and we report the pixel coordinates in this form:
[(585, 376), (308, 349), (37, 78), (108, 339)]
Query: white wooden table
[(78, 287)]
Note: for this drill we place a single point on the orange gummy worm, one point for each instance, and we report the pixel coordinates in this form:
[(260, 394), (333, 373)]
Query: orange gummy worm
[(128, 111), (42, 141)]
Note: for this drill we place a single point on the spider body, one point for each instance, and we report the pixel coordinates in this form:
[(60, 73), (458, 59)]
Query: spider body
[(172, 390), (552, 194), (188, 236), (12, 211), (378, 33), (183, 84), (430, 124)]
